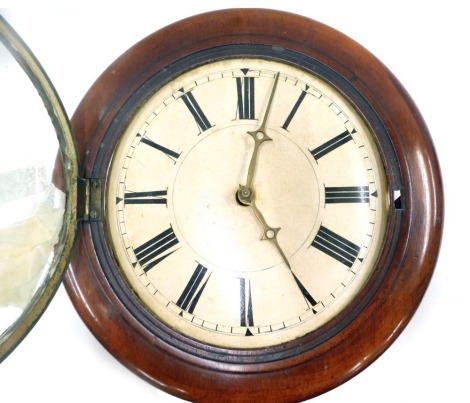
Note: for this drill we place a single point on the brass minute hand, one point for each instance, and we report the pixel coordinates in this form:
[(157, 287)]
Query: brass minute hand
[(260, 136), (246, 194)]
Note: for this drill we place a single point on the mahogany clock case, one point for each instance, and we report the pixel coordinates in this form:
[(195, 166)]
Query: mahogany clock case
[(330, 356)]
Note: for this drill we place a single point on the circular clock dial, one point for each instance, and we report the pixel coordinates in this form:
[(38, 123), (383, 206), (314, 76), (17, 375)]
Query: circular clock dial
[(246, 202)]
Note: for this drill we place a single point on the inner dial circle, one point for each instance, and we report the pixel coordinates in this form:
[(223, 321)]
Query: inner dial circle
[(191, 250), (220, 230)]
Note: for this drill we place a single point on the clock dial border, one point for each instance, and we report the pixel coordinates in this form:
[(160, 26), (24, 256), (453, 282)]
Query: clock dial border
[(324, 359), (119, 284)]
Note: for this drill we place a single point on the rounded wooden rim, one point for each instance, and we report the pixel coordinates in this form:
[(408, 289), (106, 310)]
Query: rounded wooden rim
[(415, 230)]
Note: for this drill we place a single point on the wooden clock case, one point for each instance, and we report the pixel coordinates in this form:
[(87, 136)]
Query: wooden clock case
[(331, 355)]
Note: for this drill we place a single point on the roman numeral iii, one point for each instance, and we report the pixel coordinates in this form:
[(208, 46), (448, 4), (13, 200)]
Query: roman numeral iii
[(347, 194)]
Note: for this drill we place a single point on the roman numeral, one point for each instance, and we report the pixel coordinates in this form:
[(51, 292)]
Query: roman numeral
[(336, 246), (198, 115), (295, 108), (246, 305), (332, 144), (169, 153), (245, 96), (311, 302), (153, 252), (193, 290), (347, 194), (151, 197)]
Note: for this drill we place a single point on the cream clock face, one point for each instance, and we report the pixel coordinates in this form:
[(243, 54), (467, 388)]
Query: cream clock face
[(246, 203)]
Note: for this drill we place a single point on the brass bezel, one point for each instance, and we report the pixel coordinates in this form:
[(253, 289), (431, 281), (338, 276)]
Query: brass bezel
[(10, 339)]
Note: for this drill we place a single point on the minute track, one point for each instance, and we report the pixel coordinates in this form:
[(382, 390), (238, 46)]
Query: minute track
[(202, 126)]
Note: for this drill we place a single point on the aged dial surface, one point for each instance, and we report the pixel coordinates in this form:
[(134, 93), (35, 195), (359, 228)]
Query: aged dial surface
[(246, 203)]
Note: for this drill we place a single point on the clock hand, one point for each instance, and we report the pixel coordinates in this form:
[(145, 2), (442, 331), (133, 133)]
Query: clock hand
[(269, 233), (246, 194), (260, 136)]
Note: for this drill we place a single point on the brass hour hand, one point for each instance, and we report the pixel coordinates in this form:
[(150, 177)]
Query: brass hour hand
[(269, 233), (246, 196), (259, 138)]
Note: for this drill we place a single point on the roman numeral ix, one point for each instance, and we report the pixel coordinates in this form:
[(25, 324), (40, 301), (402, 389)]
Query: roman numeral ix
[(150, 197)]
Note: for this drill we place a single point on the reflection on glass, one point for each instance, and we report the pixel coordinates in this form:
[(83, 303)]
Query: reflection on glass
[(31, 208)]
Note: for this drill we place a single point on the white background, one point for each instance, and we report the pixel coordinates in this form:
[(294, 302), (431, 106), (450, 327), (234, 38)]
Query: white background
[(424, 45)]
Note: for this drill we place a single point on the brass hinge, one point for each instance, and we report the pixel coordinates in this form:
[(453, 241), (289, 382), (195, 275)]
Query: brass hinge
[(89, 199)]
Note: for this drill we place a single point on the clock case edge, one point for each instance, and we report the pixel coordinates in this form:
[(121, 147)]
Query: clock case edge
[(420, 215)]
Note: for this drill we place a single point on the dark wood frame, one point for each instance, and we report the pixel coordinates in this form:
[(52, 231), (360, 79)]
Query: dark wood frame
[(351, 342)]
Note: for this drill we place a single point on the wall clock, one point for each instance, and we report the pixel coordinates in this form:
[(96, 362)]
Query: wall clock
[(255, 205)]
